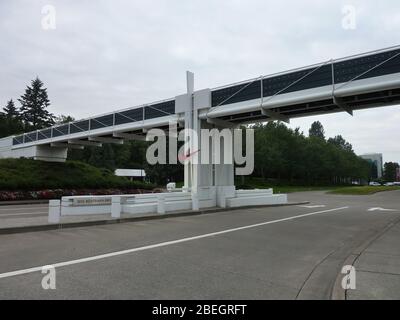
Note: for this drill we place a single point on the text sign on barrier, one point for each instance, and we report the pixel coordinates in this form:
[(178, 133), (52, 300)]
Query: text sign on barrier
[(92, 201)]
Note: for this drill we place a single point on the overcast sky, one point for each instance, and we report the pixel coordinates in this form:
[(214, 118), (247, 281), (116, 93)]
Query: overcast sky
[(107, 55)]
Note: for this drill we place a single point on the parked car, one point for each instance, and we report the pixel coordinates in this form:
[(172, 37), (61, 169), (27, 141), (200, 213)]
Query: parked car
[(374, 184), (397, 183), (389, 184)]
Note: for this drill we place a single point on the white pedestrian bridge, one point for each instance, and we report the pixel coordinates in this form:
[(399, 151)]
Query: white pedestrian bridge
[(357, 82)]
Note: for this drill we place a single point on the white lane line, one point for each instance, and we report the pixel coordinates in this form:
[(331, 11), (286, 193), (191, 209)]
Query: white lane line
[(158, 245), (21, 214), (313, 206), (21, 208), (382, 209)]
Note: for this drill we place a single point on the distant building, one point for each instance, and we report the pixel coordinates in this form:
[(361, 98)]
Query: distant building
[(131, 173), (377, 160)]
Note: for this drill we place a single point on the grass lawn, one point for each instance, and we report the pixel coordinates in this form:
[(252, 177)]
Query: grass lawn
[(258, 183), (290, 189), (362, 190)]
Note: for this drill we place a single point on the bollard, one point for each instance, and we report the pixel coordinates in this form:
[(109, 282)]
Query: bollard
[(54, 211), (116, 207), (195, 202), (161, 203)]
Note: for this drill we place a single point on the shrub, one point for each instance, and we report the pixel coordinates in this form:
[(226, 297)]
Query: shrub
[(31, 175)]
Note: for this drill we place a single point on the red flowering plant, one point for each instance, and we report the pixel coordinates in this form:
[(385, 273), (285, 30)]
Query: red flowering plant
[(58, 193)]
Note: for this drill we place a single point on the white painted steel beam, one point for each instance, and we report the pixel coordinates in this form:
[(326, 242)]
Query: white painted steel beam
[(275, 115), (85, 143), (106, 140), (129, 136), (66, 145), (222, 123)]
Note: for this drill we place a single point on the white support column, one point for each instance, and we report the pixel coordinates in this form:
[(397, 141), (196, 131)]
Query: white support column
[(188, 174), (54, 211), (202, 172), (224, 177), (204, 179)]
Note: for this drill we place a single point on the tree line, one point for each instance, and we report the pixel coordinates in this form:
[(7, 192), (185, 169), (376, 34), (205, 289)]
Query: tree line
[(284, 154)]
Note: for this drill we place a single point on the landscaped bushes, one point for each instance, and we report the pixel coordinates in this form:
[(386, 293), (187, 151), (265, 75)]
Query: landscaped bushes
[(58, 193), (29, 175)]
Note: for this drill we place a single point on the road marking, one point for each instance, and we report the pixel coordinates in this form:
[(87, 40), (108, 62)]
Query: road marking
[(158, 245), (381, 209), (313, 207)]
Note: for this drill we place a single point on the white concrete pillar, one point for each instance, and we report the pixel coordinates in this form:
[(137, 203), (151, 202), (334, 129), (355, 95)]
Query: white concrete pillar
[(116, 207), (54, 211), (161, 203)]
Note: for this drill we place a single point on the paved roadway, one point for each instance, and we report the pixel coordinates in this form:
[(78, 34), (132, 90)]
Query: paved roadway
[(266, 253), (23, 211)]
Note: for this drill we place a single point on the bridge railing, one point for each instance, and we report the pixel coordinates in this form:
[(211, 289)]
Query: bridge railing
[(136, 114)]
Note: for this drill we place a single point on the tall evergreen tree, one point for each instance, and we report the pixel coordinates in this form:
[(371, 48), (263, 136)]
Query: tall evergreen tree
[(10, 110), (34, 104), (10, 120)]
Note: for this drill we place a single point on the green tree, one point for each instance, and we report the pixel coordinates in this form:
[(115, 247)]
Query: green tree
[(10, 110), (341, 142), (62, 119), (317, 130), (283, 155), (10, 121), (34, 104), (390, 171)]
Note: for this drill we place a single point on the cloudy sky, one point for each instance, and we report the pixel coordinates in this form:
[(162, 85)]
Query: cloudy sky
[(108, 55)]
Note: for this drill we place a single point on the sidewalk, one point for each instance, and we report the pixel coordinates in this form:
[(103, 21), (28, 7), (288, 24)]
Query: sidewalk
[(378, 269)]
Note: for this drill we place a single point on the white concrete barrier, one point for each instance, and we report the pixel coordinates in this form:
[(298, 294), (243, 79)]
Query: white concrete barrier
[(116, 207), (54, 211), (162, 203), (255, 198), (195, 202)]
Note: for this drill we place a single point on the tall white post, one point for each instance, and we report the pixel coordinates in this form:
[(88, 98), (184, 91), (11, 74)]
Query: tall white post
[(204, 180)]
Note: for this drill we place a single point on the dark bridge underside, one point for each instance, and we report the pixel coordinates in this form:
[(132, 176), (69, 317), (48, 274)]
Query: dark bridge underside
[(357, 102)]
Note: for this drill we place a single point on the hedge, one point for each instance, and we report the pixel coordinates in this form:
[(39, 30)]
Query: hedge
[(27, 174)]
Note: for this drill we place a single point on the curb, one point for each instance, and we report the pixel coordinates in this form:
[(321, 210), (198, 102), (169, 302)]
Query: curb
[(338, 293), (48, 227)]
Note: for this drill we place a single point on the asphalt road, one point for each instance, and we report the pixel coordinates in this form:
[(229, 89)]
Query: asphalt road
[(292, 252), (23, 211)]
